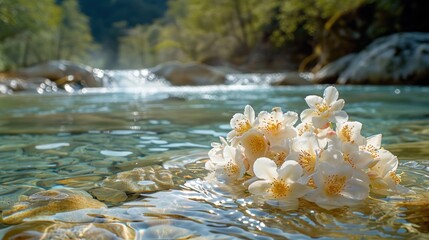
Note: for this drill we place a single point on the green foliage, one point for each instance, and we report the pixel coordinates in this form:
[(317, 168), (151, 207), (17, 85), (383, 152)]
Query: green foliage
[(74, 37), (38, 31), (310, 15), (195, 30)]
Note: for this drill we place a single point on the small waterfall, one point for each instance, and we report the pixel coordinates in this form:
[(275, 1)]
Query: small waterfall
[(137, 78), (132, 78)]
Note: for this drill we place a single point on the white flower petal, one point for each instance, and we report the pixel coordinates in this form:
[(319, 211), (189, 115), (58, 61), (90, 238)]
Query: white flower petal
[(356, 189), (249, 113), (231, 135), (290, 170), (265, 168), (319, 122), (307, 115), (255, 144), (337, 105), (259, 187), (312, 100), (298, 190), (339, 117), (290, 118), (375, 141), (330, 94)]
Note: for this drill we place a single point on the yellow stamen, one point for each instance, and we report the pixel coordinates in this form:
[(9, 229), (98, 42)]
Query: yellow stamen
[(271, 125), (306, 128), (242, 126), (321, 107), (334, 184), (231, 169), (346, 134), (372, 150), (279, 188), (347, 158), (396, 178), (311, 183), (277, 157), (255, 144), (307, 161)]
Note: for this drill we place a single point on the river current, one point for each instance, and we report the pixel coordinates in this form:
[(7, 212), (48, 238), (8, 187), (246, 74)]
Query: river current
[(78, 140)]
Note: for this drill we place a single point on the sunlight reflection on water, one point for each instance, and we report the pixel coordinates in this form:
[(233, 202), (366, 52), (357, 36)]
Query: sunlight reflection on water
[(78, 140)]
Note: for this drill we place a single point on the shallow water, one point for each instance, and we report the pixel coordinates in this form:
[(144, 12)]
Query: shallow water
[(78, 140)]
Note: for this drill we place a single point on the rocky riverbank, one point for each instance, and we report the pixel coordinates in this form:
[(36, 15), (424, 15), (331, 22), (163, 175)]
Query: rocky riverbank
[(400, 59)]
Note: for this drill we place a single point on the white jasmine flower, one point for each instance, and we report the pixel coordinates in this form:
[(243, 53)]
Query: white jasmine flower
[(255, 145), (305, 150), (241, 123), (216, 153), (279, 184), (279, 153), (372, 146), (323, 135), (356, 158), (337, 183), (277, 126), (383, 177), (324, 110), (349, 132), (353, 154), (231, 166)]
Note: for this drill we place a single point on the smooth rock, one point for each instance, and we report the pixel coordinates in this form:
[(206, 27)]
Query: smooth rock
[(60, 230), (48, 203), (136, 180), (401, 58), (192, 74), (63, 71), (109, 195), (9, 195), (330, 73)]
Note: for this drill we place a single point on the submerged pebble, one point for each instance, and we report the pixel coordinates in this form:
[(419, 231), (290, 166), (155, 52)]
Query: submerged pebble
[(128, 181), (48, 203), (60, 230), (109, 194)]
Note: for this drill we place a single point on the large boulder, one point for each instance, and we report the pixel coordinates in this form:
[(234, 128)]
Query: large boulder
[(401, 58), (63, 71), (192, 74)]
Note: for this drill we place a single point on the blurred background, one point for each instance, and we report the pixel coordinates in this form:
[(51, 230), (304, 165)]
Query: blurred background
[(251, 35)]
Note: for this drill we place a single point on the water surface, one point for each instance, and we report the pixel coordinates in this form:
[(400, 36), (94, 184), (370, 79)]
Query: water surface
[(78, 140)]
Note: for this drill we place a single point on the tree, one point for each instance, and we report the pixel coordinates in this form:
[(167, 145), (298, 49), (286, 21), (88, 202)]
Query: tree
[(38, 31), (74, 37)]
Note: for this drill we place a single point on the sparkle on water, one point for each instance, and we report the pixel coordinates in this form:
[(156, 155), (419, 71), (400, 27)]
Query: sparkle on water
[(76, 141)]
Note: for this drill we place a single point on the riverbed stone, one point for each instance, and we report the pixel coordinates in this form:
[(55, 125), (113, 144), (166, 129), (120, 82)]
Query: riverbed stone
[(58, 70), (139, 180), (109, 194), (49, 202), (9, 195), (60, 230)]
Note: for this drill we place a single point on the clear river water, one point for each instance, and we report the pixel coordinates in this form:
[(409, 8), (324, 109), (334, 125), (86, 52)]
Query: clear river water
[(79, 141)]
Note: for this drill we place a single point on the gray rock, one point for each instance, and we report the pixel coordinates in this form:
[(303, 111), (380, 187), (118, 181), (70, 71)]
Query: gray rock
[(192, 74), (401, 58), (56, 70), (330, 73)]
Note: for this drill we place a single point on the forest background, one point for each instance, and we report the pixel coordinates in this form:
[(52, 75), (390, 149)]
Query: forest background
[(250, 35)]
